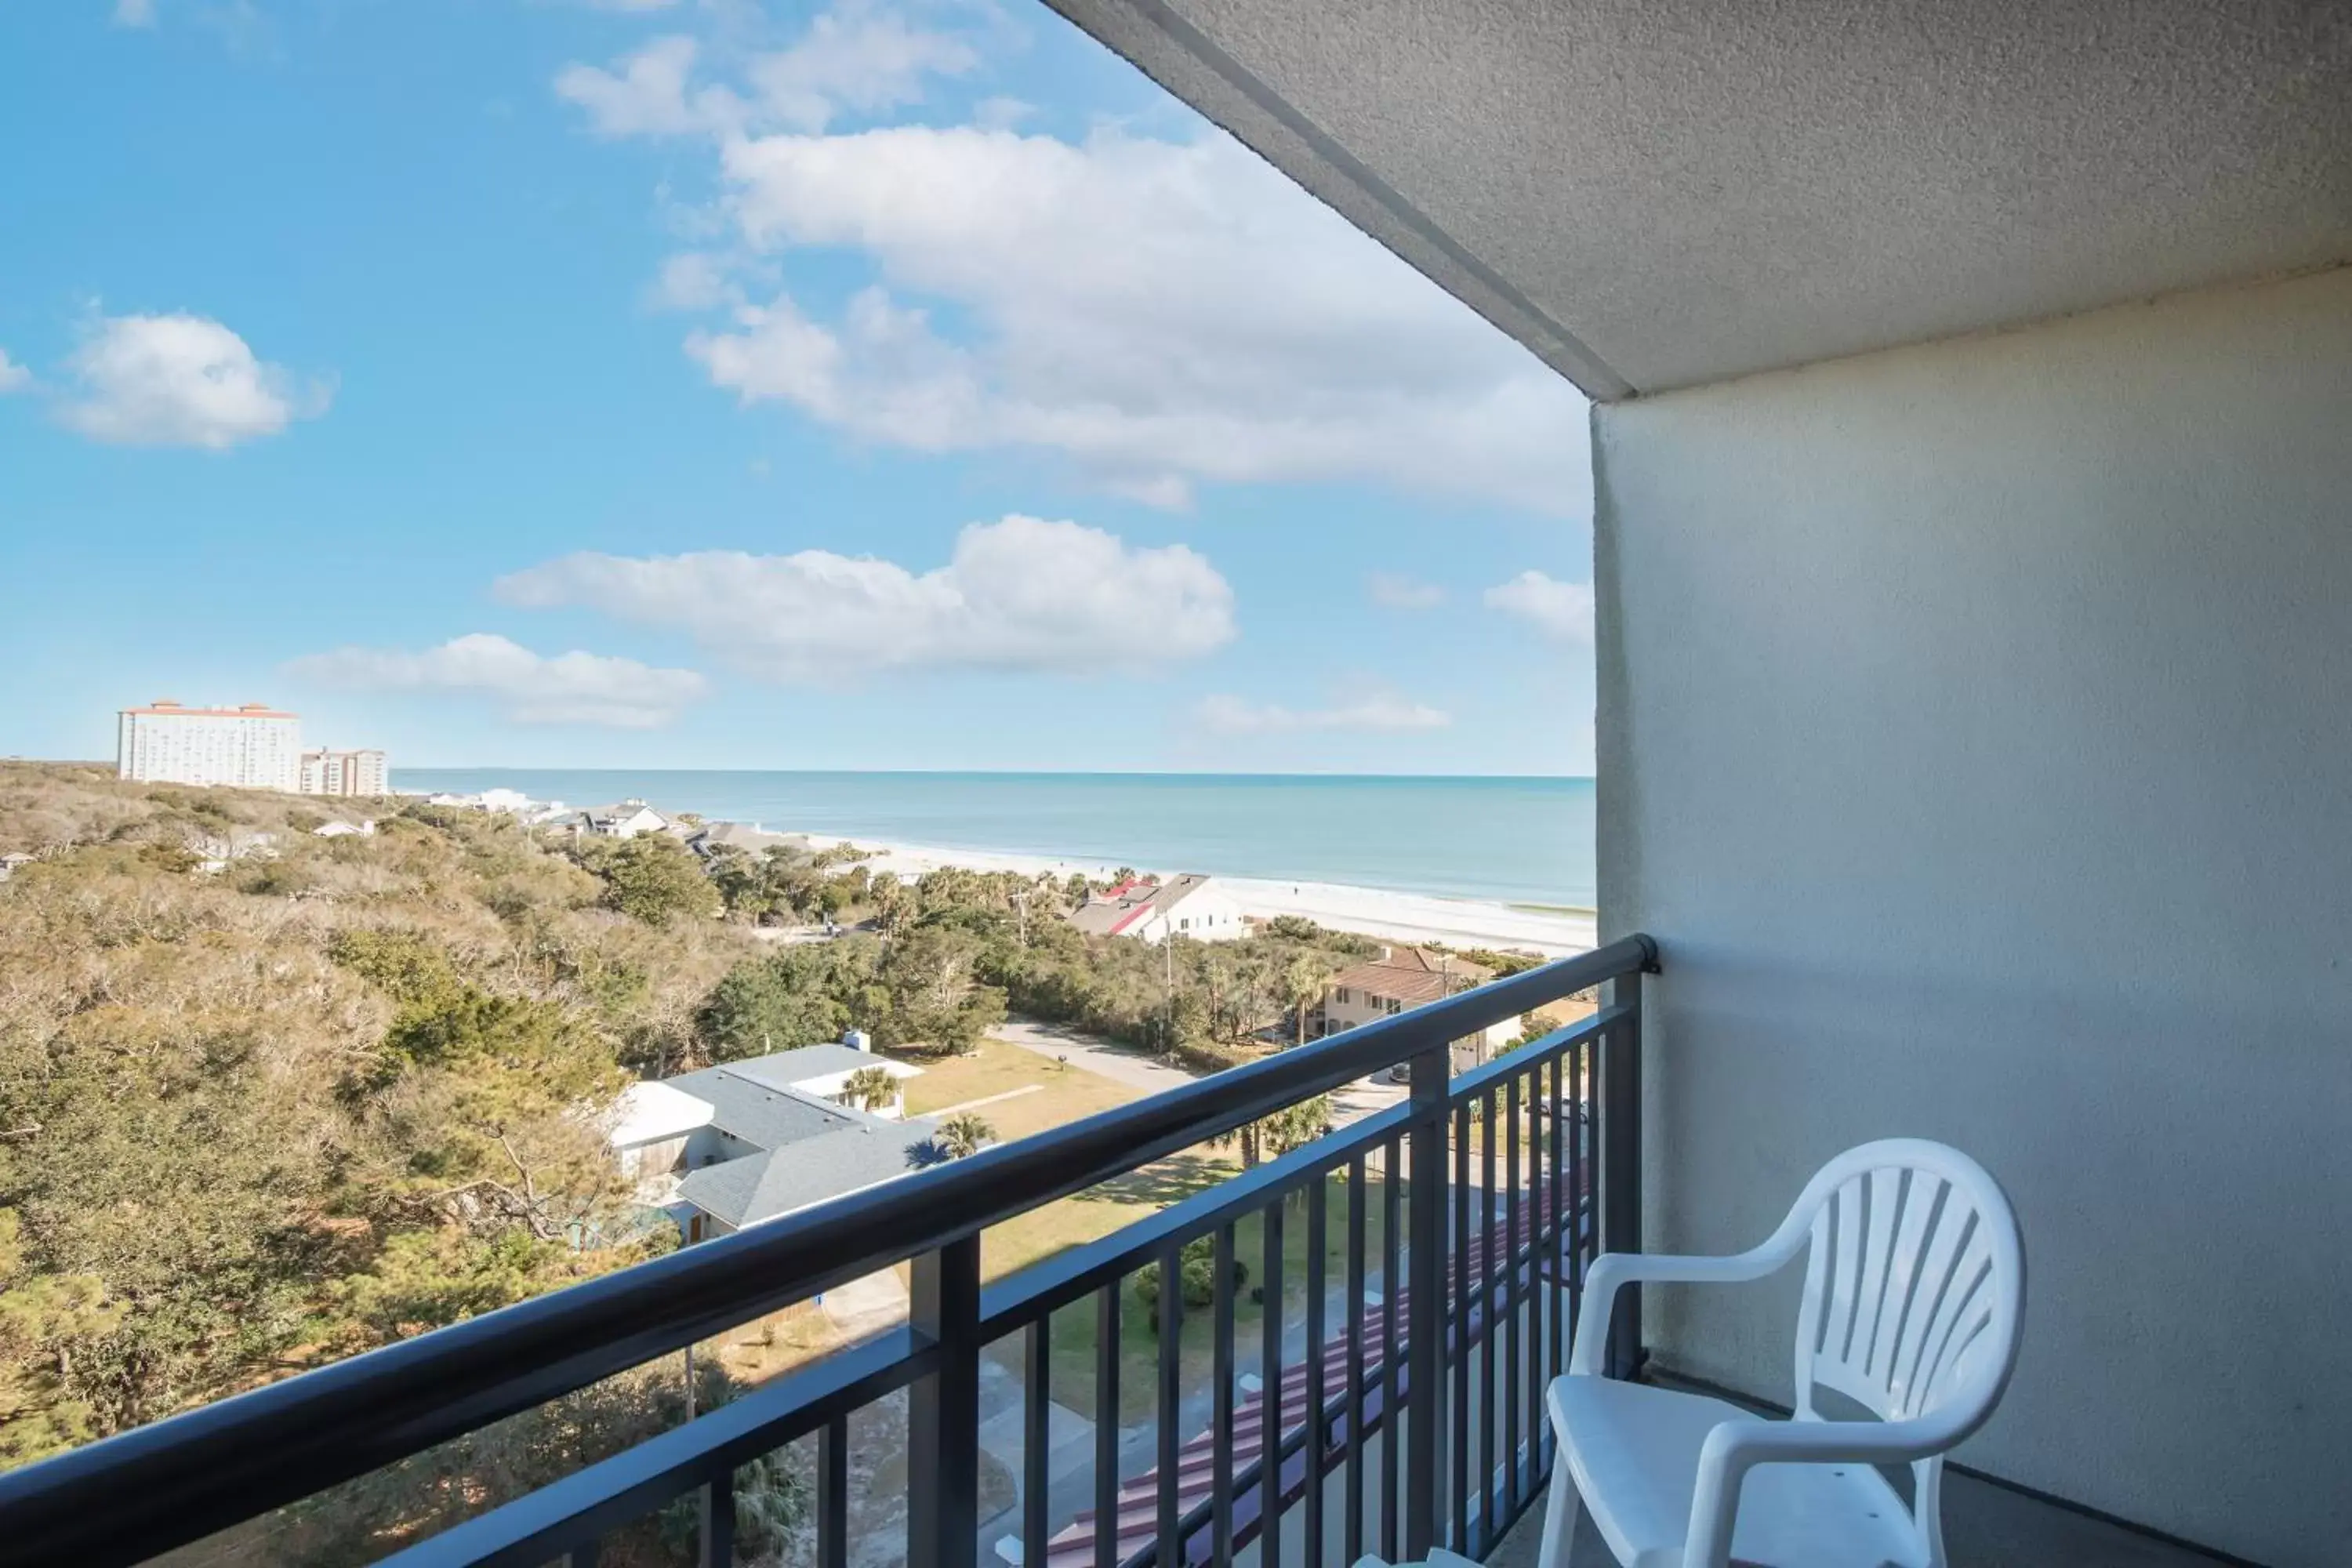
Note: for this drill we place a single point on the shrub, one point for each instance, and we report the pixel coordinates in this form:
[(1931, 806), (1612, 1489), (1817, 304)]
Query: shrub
[(1197, 1265)]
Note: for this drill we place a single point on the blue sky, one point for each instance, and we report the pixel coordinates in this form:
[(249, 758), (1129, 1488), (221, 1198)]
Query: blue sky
[(529, 383)]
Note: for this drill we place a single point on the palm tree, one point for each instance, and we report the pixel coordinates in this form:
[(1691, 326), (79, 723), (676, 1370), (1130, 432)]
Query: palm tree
[(965, 1134), (870, 1088), (1302, 984)]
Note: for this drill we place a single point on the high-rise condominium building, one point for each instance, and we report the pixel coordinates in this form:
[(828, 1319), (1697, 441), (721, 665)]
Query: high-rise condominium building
[(343, 772), (252, 747)]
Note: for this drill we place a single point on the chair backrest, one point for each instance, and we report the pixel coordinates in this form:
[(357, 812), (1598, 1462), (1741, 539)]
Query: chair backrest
[(1915, 1288)]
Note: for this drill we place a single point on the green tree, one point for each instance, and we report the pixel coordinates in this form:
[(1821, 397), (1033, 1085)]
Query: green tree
[(936, 1000), (964, 1134), (1301, 985), (41, 1317), (654, 878), (793, 996), (870, 1088)]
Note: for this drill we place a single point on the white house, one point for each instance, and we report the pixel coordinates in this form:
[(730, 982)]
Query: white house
[(751, 1141), (1153, 910), (624, 819)]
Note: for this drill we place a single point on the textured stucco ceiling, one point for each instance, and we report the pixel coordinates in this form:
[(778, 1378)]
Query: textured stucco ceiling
[(1653, 194)]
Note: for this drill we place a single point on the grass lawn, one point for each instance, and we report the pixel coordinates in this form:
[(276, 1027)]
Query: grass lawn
[(1062, 1093), (1072, 1374)]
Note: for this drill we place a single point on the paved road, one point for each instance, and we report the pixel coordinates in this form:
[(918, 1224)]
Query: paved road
[(1092, 1053)]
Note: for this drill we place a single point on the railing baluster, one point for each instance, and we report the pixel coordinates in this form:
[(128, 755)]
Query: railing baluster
[(1543, 1301), (1620, 1164), (1513, 1211), (1171, 1397), (1222, 1420), (1351, 1532), (1425, 1317), (943, 1411), (833, 1494), (1460, 1369), (1391, 1418), (1583, 1106), (1107, 1318), (1269, 1460), (1563, 1216), (1319, 1287), (1036, 1436), (718, 1523), (1488, 1331)]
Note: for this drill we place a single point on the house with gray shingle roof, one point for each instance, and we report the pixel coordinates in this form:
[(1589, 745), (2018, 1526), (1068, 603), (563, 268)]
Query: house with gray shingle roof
[(750, 1140)]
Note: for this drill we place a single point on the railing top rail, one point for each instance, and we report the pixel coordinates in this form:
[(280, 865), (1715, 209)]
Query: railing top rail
[(139, 1492)]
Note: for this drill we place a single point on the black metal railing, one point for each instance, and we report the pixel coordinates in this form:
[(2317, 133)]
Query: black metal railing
[(1491, 1190)]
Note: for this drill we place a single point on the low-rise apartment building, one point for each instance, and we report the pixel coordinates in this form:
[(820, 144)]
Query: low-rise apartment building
[(344, 772)]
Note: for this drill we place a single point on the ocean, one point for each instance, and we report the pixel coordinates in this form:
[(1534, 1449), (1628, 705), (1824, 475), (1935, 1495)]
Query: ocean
[(1511, 840)]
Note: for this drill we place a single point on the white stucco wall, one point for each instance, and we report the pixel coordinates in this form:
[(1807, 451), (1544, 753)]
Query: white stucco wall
[(1975, 737)]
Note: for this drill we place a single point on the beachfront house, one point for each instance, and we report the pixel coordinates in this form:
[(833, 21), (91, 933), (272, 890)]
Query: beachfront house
[(621, 819), (1150, 910), (1397, 978), (711, 838), (751, 1141), (1971, 525)]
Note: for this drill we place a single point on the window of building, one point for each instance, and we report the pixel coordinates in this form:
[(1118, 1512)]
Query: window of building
[(1340, 995), (1395, 1006)]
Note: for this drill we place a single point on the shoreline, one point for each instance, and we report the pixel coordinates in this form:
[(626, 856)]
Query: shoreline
[(1388, 914), (1364, 911)]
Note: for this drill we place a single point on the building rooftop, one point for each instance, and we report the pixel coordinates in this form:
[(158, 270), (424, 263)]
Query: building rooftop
[(165, 708), (1412, 974), (863, 1152), (649, 1111), (766, 1115), (1108, 913)]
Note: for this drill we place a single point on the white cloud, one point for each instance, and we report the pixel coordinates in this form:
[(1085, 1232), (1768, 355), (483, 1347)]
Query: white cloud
[(857, 57), (1557, 609), (649, 96), (134, 12), (1160, 313), (13, 377), (693, 280), (569, 688), (1019, 593), (1379, 713), (1393, 591), (180, 381)]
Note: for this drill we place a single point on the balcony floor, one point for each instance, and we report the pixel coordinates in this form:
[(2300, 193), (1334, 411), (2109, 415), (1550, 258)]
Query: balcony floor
[(1985, 1526)]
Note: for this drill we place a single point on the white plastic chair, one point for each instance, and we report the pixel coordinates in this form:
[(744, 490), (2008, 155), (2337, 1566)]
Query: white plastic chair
[(1913, 1293)]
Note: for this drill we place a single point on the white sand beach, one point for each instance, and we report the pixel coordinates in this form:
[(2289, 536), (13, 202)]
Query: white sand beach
[(1370, 911)]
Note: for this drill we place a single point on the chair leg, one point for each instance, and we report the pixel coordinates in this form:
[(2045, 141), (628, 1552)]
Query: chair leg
[(1561, 1511)]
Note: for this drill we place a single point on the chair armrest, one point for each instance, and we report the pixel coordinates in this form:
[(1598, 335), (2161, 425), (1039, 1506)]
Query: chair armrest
[(1612, 1269), (1735, 1448)]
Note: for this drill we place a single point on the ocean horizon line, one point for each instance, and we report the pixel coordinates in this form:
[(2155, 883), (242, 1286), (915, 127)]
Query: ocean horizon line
[(1524, 839), (997, 772)]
